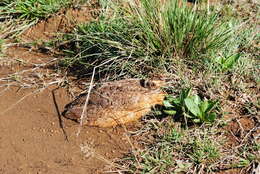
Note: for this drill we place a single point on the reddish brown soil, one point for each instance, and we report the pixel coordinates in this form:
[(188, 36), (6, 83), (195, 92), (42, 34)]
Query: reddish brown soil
[(238, 126), (32, 140), (27, 55), (62, 22)]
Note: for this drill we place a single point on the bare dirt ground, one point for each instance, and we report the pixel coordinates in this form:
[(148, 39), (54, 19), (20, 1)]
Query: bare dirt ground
[(34, 138)]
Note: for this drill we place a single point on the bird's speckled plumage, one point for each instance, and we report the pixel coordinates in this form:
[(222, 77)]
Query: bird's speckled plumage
[(117, 102)]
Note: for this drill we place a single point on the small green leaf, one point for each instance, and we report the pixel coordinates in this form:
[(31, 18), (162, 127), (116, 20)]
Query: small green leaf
[(211, 117), (192, 106), (243, 162), (170, 98), (219, 60), (211, 105), (196, 120), (176, 101), (196, 99), (204, 106), (184, 94), (230, 61), (167, 104), (169, 112)]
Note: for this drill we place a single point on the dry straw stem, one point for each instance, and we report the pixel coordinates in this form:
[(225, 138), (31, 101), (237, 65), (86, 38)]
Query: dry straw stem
[(131, 144), (34, 80), (15, 28), (4, 90), (82, 117)]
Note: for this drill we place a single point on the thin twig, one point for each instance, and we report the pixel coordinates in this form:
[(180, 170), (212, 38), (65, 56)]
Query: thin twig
[(82, 117), (241, 127)]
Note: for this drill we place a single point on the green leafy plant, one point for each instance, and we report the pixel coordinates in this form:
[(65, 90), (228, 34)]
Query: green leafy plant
[(176, 105), (242, 163), (226, 63), (191, 106)]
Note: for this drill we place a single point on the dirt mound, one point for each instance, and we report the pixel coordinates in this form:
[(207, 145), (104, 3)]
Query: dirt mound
[(62, 22)]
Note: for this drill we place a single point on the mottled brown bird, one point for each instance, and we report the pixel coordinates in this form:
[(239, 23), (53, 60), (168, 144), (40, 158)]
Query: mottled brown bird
[(118, 102)]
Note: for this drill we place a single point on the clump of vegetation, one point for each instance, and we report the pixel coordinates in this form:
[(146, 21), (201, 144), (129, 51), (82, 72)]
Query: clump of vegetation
[(191, 107), (31, 9), (177, 150), (19, 15), (226, 63), (139, 39)]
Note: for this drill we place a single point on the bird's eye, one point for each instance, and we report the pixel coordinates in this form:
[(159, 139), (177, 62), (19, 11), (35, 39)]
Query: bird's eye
[(150, 84), (143, 83)]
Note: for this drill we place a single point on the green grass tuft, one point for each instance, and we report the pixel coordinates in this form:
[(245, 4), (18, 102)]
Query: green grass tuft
[(32, 9), (203, 151), (19, 15), (138, 40)]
